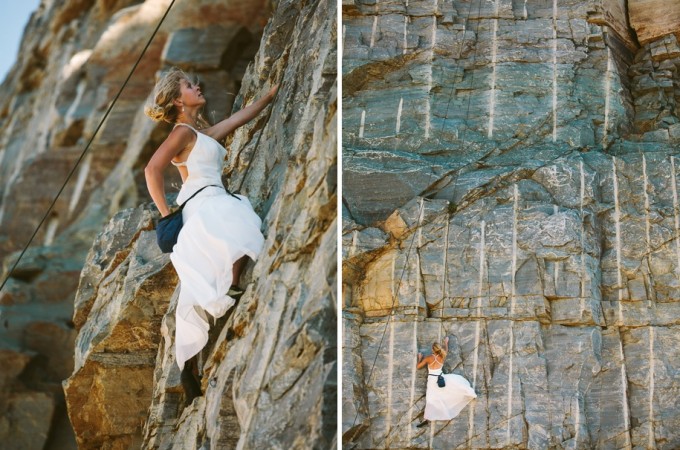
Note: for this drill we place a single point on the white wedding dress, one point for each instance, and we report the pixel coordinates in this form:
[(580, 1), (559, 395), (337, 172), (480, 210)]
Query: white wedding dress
[(447, 402), (218, 230)]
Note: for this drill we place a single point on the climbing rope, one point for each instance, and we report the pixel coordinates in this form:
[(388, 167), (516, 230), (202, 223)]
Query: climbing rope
[(87, 147)]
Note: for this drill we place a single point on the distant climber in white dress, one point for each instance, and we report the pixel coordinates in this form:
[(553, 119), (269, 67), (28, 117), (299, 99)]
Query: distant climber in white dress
[(443, 403), (220, 229)]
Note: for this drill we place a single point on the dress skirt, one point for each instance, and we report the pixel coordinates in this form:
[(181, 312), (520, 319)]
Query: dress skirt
[(447, 402), (218, 230)]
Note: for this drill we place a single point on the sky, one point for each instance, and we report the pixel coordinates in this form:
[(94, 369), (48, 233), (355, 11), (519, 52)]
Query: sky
[(15, 17)]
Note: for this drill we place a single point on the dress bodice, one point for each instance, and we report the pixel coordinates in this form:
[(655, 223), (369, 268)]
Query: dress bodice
[(436, 371), (432, 371), (204, 164)]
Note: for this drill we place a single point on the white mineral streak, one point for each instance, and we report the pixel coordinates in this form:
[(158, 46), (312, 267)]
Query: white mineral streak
[(353, 248), (624, 393), (80, 89), (405, 45), (401, 104), (344, 34), (651, 442), (80, 183), (645, 188), (577, 419), (607, 95), (428, 112), (480, 290), (556, 263), (361, 125), (494, 51), (431, 441), (394, 268), (513, 271), (617, 225), (51, 231), (583, 240), (75, 63), (445, 261), (416, 250), (554, 72), (412, 399), (390, 373), (373, 31), (14, 176), (416, 304)]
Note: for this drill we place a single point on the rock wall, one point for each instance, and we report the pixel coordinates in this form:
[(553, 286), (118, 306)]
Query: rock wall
[(648, 24), (123, 390), (510, 181)]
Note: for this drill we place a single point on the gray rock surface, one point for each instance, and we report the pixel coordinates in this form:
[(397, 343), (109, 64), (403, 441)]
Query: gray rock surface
[(525, 205)]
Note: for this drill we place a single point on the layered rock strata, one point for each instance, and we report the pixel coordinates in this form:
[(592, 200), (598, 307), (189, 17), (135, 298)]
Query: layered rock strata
[(510, 181)]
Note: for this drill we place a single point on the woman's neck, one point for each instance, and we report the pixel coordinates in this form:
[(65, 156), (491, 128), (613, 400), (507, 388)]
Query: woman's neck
[(189, 117)]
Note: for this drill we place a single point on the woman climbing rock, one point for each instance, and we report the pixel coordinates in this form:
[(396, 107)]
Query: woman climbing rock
[(220, 229), (443, 403)]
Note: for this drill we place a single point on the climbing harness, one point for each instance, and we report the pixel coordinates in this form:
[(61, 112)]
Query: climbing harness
[(87, 147)]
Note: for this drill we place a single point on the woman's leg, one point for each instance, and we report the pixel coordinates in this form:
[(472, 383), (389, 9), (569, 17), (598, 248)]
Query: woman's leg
[(237, 269), (191, 382)]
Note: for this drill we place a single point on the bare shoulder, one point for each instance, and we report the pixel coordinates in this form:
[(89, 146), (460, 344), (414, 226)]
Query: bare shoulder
[(182, 133), (180, 137)]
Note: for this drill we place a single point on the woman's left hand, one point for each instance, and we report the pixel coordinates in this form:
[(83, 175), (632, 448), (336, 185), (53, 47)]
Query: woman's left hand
[(420, 356)]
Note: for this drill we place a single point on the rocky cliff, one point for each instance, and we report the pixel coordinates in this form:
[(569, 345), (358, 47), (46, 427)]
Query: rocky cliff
[(95, 285), (510, 180)]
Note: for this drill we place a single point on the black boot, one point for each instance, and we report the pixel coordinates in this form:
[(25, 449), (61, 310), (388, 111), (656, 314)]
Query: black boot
[(190, 381), (423, 423), (235, 292)]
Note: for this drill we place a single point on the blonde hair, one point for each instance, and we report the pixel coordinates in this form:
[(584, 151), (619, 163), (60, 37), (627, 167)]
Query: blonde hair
[(438, 350), (166, 91)]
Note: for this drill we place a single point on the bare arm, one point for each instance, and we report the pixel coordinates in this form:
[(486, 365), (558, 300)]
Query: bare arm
[(446, 344), (227, 126), (179, 138), (422, 362)]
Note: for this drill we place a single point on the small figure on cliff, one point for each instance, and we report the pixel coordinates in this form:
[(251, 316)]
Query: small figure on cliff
[(443, 402), (220, 229)]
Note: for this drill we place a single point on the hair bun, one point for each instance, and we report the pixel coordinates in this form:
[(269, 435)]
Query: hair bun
[(155, 112)]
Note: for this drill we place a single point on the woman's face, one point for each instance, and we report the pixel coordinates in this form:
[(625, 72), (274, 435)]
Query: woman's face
[(190, 94)]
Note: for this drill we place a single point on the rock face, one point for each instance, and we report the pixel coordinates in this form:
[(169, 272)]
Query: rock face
[(650, 26), (510, 181), (113, 301)]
